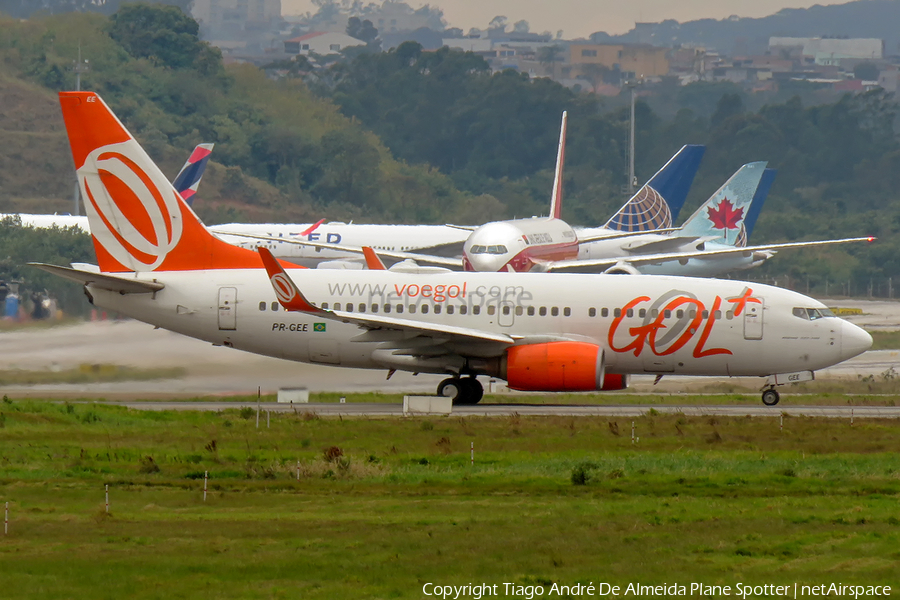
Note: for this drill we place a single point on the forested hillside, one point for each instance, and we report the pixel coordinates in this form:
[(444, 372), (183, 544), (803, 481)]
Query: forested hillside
[(413, 136)]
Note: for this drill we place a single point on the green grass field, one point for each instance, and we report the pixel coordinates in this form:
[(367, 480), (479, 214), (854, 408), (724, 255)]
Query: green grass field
[(384, 506)]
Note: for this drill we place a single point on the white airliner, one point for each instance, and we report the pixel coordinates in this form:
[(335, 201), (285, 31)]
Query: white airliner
[(566, 332)]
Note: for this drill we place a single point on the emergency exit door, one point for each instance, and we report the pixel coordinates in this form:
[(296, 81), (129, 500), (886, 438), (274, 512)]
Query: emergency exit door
[(227, 308)]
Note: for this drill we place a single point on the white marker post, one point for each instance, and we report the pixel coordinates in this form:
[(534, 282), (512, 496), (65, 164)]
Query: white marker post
[(6, 520), (205, 480), (258, 393), (343, 399), (298, 470), (268, 419), (107, 498), (473, 454)]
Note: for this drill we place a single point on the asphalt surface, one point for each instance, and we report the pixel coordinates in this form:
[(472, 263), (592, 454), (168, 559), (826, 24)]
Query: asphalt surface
[(506, 410)]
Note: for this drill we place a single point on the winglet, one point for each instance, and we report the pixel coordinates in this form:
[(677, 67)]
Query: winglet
[(290, 297), (372, 261), (313, 227), (556, 198)]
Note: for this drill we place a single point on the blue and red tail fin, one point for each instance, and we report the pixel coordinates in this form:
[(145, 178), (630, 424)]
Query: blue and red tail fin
[(188, 179), (138, 221), (657, 204)]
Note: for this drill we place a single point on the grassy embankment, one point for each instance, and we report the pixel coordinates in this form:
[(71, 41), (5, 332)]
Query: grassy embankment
[(396, 503)]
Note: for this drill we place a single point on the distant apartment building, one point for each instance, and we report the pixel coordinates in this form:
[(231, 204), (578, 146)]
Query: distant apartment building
[(637, 61), (219, 14), (828, 51), (320, 42)]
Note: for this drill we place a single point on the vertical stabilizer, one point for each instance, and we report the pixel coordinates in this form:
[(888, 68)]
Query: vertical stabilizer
[(556, 198), (138, 221), (188, 179), (657, 204), (759, 198), (723, 215)]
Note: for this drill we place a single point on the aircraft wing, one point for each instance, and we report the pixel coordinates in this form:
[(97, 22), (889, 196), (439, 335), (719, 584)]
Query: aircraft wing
[(102, 280), (425, 258), (292, 299), (599, 265), (622, 234)]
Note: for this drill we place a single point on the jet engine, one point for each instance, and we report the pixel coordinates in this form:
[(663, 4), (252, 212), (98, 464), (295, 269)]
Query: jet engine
[(614, 381), (555, 367), (622, 268)]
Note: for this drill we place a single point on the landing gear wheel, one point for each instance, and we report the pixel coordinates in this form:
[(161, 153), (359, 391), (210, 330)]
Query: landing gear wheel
[(462, 391), (770, 397), (474, 391), (452, 388)]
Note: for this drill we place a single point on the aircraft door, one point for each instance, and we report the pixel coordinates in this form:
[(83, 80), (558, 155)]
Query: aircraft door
[(507, 314), (753, 320), (227, 308)]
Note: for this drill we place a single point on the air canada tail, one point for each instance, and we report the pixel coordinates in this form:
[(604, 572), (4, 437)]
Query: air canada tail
[(138, 220), (723, 215), (657, 204)]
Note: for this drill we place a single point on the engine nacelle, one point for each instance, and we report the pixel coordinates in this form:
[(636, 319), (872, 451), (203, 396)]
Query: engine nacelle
[(622, 268), (555, 367), (613, 382)]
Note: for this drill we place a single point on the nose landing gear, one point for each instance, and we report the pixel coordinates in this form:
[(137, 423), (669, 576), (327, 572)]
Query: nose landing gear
[(462, 390), (770, 396)]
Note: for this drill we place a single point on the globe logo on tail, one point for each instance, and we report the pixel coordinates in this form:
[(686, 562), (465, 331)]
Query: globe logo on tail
[(284, 291), (134, 214)]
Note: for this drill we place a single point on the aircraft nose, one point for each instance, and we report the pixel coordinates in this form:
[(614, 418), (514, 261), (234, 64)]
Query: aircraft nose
[(854, 340)]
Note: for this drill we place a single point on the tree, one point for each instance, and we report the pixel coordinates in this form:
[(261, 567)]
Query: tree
[(498, 23), (549, 56), (729, 105), (163, 34), (361, 30), (521, 26)]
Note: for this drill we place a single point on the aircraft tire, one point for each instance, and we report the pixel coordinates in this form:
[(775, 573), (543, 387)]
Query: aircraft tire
[(452, 388), (474, 391), (770, 397)]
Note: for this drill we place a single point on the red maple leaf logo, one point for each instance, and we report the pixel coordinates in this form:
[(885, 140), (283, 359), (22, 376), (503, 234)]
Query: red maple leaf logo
[(725, 217)]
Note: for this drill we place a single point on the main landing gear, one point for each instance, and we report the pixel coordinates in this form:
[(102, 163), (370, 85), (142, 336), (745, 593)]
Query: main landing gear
[(770, 396), (462, 390)]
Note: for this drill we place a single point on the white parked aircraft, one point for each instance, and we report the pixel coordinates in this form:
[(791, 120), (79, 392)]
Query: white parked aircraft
[(569, 332)]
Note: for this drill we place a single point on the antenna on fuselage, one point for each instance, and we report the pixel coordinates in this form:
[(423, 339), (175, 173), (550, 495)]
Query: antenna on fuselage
[(556, 198)]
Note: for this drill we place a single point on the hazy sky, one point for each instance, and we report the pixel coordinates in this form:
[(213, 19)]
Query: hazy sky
[(580, 18)]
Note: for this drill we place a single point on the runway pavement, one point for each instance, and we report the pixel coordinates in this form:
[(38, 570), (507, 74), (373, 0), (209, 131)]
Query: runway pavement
[(506, 410)]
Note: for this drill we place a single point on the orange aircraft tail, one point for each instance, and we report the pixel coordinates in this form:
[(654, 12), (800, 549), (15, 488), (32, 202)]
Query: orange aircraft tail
[(138, 221)]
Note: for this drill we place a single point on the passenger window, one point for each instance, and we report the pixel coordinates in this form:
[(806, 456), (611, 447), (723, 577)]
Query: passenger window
[(361, 307), (424, 309), (692, 314), (412, 309), (604, 312), (642, 313), (617, 312), (729, 315), (450, 309), (530, 311), (505, 310), (679, 314), (554, 311), (667, 314), (262, 305), (491, 309), (274, 307), (476, 310), (567, 311), (718, 315), (437, 309), (337, 306), (463, 309), (543, 311), (399, 309), (324, 305), (374, 308), (629, 313), (705, 314), (387, 308), (349, 307), (519, 311), (654, 313), (592, 312)]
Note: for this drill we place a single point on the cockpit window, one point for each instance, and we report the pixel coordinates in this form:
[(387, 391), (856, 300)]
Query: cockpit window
[(488, 250), (496, 249), (811, 314), (478, 249)]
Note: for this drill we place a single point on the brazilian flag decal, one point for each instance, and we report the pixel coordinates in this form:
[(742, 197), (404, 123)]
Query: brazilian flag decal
[(318, 326)]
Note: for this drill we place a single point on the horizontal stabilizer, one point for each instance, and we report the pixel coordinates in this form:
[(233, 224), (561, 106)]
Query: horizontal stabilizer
[(101, 280)]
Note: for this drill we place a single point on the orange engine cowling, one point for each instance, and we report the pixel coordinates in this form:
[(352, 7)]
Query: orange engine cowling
[(556, 367), (614, 381)]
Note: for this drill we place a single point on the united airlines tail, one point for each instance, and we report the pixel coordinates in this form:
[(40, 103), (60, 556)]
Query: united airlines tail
[(138, 221), (722, 217), (657, 204)]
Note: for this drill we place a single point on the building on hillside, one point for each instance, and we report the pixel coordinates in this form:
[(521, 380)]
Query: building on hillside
[(829, 49), (320, 42), (216, 15), (634, 61)]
